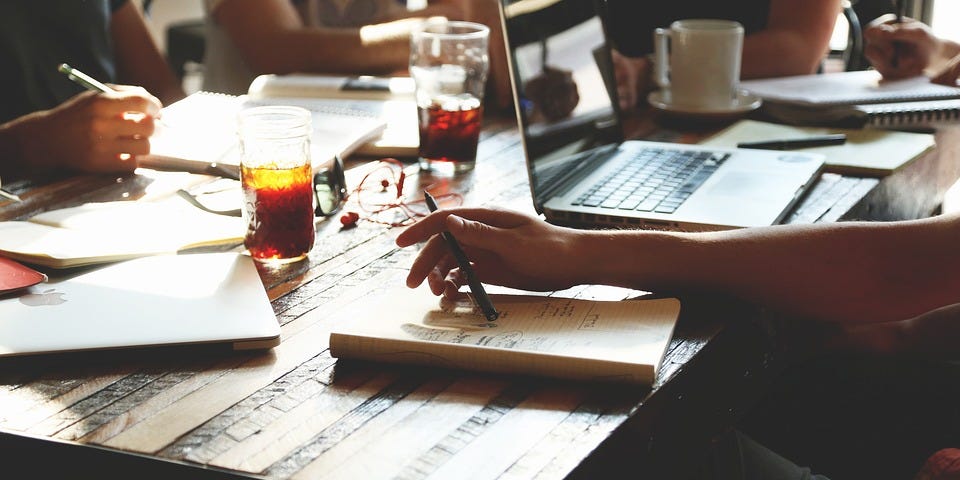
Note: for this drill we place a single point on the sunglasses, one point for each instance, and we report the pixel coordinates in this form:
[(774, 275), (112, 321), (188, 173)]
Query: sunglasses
[(329, 193)]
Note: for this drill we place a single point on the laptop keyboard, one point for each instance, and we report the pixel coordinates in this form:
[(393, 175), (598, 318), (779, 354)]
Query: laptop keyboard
[(653, 180)]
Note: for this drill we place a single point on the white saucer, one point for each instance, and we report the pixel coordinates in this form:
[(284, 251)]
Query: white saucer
[(742, 104)]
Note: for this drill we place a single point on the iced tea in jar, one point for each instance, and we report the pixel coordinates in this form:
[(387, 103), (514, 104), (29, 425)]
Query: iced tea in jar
[(277, 181)]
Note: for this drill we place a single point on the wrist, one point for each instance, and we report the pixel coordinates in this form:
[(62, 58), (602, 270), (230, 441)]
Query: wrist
[(12, 162)]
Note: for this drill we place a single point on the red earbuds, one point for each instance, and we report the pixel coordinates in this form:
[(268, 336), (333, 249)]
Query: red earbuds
[(349, 219)]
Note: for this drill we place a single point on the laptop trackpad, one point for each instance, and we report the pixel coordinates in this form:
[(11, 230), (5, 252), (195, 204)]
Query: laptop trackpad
[(742, 184)]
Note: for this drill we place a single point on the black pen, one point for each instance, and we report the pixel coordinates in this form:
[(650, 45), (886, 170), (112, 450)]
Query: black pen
[(479, 294), (796, 143), (899, 20)]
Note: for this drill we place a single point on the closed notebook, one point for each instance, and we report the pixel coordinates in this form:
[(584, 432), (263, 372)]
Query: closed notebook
[(867, 152), (610, 341), (858, 100)]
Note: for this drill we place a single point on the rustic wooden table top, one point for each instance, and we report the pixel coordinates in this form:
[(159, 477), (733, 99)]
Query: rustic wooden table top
[(295, 412)]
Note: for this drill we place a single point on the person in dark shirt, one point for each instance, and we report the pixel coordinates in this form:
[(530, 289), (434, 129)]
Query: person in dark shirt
[(49, 123), (783, 37)]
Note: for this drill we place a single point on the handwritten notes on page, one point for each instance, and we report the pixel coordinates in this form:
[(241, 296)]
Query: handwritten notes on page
[(618, 341)]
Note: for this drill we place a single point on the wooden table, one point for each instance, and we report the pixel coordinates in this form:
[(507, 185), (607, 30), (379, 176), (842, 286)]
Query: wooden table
[(294, 412)]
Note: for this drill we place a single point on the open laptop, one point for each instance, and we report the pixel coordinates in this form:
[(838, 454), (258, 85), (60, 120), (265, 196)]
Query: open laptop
[(581, 171), (211, 298)]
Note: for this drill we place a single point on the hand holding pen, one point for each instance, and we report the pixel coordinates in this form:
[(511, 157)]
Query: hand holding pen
[(478, 293), (90, 132)]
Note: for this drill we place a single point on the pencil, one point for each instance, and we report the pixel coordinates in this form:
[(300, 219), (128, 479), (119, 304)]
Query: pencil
[(83, 79), (479, 294)]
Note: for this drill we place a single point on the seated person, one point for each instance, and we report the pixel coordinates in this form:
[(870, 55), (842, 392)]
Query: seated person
[(783, 37), (49, 123), (246, 38), (916, 49), (866, 280)]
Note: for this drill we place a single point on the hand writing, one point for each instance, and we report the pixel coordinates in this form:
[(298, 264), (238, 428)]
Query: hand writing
[(507, 248), (95, 132)]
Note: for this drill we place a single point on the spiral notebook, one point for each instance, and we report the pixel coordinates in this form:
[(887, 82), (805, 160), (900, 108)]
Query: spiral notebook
[(201, 130), (857, 100)]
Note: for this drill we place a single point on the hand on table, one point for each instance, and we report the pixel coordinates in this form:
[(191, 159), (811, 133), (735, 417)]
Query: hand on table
[(912, 43)]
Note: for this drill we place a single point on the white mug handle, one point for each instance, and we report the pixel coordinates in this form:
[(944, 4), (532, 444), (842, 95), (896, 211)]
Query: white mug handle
[(661, 64)]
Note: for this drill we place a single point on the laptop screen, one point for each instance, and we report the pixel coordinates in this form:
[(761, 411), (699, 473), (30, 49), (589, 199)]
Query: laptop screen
[(563, 85)]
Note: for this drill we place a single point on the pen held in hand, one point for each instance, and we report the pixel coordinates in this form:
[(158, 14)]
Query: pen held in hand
[(476, 288), (84, 80), (796, 143)]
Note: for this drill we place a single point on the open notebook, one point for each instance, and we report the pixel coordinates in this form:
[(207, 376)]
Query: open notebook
[(214, 298), (202, 129), (612, 341)]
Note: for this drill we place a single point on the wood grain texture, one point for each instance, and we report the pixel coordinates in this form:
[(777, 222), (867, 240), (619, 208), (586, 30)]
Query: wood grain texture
[(295, 412)]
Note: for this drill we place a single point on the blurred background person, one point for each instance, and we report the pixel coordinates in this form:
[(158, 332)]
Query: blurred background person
[(49, 123), (246, 38), (782, 37)]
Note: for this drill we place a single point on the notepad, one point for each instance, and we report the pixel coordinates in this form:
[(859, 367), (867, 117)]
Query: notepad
[(866, 152), (611, 341), (202, 129), (391, 99), (111, 231)]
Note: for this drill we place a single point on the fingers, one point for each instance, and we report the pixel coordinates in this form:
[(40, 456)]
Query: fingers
[(950, 74)]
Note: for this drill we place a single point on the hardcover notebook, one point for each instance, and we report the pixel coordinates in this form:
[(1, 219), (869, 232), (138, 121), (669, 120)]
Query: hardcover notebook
[(215, 298), (611, 341), (583, 174)]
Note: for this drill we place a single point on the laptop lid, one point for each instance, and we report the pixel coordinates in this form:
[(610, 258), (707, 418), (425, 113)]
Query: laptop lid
[(566, 103), (567, 108), (214, 298)]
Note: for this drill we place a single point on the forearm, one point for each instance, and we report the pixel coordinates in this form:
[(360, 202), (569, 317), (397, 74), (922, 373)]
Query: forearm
[(794, 41), (11, 164), (139, 61), (850, 272)]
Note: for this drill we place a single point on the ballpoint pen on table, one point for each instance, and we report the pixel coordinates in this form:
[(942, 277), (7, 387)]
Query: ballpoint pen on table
[(796, 143), (476, 288)]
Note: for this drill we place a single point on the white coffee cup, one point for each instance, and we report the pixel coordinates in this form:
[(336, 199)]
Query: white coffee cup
[(698, 62)]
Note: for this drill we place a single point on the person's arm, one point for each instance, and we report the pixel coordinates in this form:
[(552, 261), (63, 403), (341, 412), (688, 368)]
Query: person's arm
[(139, 61), (850, 272), (795, 40), (91, 132), (272, 38)]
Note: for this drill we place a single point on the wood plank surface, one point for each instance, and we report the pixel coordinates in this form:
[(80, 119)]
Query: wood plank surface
[(295, 412)]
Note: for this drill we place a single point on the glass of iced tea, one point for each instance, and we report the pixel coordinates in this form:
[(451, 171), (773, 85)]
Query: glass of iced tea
[(277, 181), (449, 63)]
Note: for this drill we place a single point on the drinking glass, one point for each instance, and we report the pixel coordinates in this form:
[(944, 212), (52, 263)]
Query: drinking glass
[(449, 65), (277, 181)]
